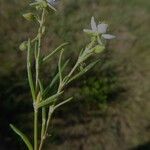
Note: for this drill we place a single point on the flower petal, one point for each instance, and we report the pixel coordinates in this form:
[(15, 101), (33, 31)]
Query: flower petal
[(102, 28), (93, 24), (53, 2), (88, 31), (108, 36)]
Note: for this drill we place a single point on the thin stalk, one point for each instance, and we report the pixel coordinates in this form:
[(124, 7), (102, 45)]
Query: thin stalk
[(37, 67), (59, 66), (39, 48), (73, 69), (29, 71), (35, 129), (46, 129), (43, 121)]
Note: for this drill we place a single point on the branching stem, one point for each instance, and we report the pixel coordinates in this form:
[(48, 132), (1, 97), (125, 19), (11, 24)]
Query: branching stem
[(37, 67)]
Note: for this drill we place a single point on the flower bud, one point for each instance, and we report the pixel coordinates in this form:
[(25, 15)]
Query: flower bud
[(29, 16), (99, 48), (23, 46)]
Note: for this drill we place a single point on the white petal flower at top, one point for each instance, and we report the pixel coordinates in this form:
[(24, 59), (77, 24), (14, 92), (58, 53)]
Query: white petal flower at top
[(99, 29)]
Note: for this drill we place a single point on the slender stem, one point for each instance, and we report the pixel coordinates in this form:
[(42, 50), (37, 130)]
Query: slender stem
[(35, 130), (37, 59), (46, 129), (43, 127), (59, 67), (39, 48), (73, 69), (43, 121)]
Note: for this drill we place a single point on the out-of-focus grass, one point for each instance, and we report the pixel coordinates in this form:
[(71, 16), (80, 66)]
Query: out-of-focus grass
[(127, 121)]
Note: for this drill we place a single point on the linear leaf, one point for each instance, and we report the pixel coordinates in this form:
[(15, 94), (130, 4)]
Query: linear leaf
[(29, 72), (64, 102), (55, 79), (54, 51), (41, 86), (49, 100), (23, 137), (59, 65)]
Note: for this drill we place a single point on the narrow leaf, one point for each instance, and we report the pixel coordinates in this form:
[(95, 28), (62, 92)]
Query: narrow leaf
[(64, 102), (55, 79), (54, 51), (41, 86), (23, 137), (49, 100), (29, 72), (59, 65)]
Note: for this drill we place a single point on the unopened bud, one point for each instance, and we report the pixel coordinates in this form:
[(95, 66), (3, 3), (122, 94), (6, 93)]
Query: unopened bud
[(29, 16), (23, 46), (99, 48)]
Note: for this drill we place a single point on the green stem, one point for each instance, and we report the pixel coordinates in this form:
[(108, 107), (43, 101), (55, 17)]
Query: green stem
[(43, 121), (46, 129), (35, 129), (73, 69), (37, 67), (39, 48)]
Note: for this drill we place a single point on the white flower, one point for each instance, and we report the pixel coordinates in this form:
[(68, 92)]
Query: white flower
[(53, 2), (49, 2), (99, 29)]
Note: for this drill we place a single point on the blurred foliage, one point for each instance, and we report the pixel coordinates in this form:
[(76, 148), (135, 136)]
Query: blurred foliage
[(101, 90)]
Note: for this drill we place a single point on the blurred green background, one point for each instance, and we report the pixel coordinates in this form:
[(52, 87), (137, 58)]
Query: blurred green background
[(111, 110)]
